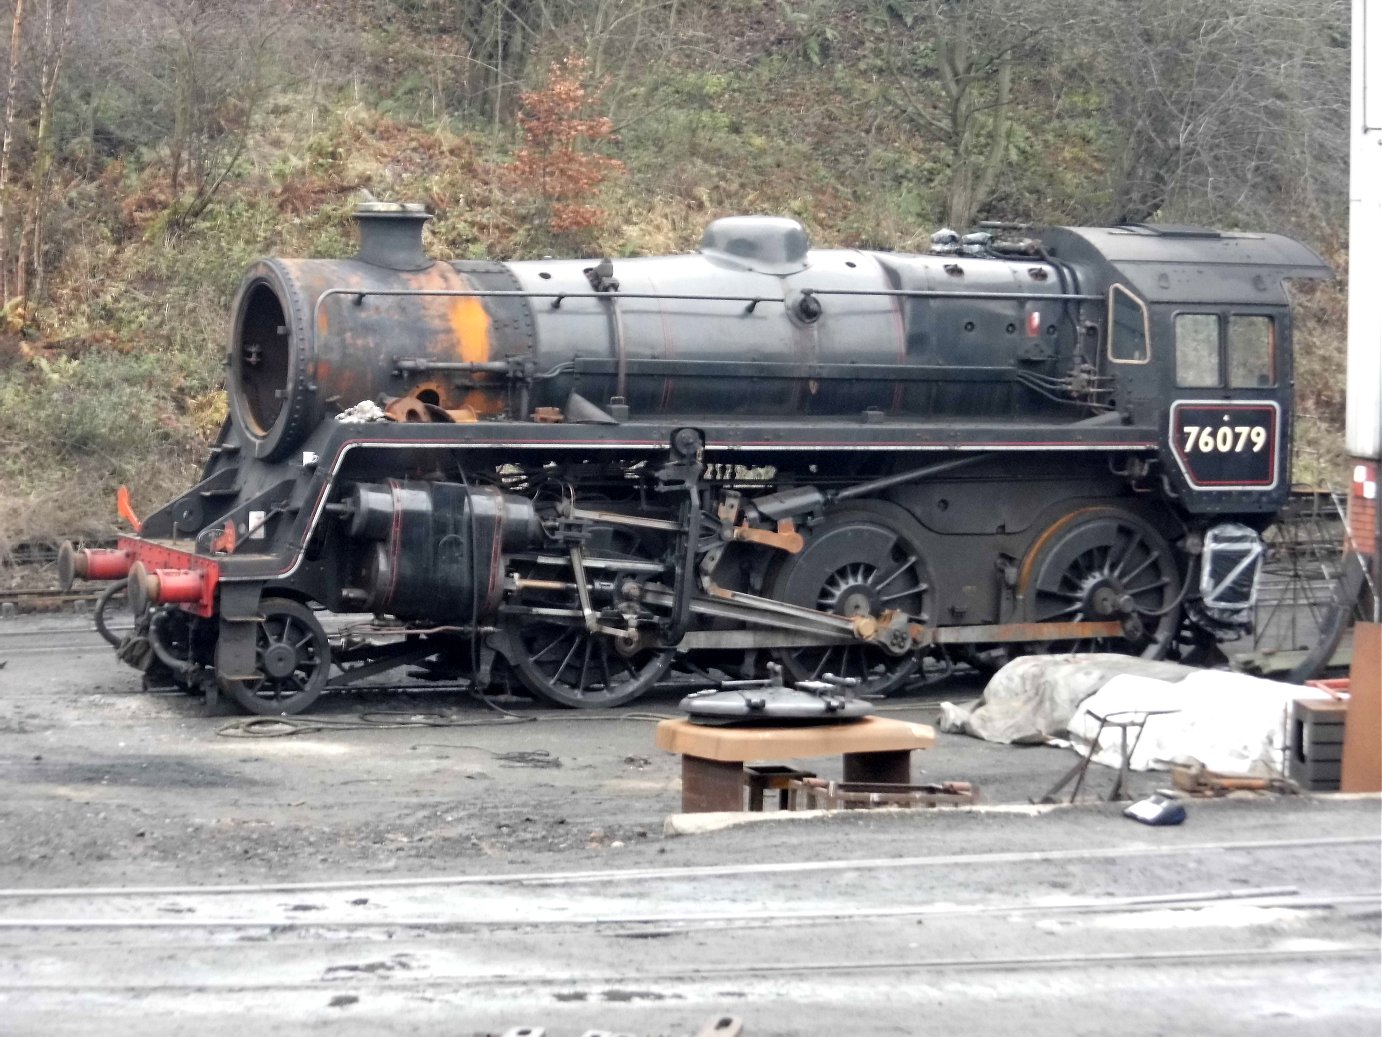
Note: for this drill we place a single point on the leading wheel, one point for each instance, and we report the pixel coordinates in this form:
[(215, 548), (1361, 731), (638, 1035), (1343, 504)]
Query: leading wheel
[(1104, 563), (860, 561), (291, 656)]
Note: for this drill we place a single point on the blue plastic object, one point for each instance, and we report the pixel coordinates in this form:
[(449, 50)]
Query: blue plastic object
[(1156, 810)]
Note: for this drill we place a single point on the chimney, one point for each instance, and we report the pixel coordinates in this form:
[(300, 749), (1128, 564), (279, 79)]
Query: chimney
[(391, 234)]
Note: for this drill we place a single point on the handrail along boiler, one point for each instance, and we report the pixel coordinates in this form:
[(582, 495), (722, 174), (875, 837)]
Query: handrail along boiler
[(576, 476)]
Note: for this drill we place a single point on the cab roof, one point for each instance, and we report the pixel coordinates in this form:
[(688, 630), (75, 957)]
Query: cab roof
[(1175, 263)]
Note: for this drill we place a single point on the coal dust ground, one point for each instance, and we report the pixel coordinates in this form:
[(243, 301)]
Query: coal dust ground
[(159, 871)]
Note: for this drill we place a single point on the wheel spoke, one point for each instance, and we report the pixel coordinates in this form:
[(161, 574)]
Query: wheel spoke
[(1149, 587), (820, 663), (911, 560), (1103, 555), (904, 594), (604, 663), (575, 643), (559, 640), (1151, 558), (1134, 541), (1057, 593), (1073, 610), (862, 654), (585, 664)]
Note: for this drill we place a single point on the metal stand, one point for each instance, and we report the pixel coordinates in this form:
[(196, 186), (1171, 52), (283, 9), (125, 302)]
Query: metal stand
[(1125, 720), (718, 785), (763, 777)]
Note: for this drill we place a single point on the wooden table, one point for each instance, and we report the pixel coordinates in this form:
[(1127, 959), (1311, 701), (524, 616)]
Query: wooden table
[(875, 749)]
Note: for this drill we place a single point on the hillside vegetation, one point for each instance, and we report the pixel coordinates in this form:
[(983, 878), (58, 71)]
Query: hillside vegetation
[(151, 148)]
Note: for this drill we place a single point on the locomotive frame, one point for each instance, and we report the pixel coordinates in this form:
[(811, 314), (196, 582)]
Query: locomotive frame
[(1051, 442)]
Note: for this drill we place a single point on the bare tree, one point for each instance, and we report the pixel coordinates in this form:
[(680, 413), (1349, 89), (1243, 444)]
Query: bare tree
[(57, 34), (6, 141), (498, 37), (951, 65), (1222, 106), (217, 54)]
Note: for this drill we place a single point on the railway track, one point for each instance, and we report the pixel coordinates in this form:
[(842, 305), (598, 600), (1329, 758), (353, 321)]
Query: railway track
[(636, 924), (54, 640), (14, 603), (665, 899), (671, 979), (605, 878), (33, 572), (809, 936)]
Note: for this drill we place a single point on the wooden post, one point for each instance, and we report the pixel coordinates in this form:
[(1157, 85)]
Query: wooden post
[(1362, 764), (710, 785)]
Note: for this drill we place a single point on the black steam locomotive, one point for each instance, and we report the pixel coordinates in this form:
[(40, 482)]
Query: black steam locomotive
[(577, 477)]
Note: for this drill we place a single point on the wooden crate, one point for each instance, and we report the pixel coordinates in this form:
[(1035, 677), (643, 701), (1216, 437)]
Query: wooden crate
[(1316, 747)]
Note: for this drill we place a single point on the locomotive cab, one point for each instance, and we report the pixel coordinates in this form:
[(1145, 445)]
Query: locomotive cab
[(1197, 336)]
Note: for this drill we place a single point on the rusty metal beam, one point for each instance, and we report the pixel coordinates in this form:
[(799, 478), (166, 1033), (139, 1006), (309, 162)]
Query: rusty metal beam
[(1016, 632)]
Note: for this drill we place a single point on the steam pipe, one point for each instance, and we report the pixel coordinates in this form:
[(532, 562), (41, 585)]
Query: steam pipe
[(98, 614), (166, 657), (863, 489)]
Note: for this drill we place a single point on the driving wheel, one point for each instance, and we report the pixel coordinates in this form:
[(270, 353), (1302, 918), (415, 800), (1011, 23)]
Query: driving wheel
[(545, 639), (859, 561), (1105, 563)]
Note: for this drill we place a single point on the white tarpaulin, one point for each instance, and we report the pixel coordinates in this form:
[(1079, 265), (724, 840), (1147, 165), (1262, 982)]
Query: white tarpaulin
[(1034, 697), (1228, 721)]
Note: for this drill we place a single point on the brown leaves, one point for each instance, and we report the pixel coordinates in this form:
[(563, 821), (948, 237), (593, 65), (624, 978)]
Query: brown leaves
[(555, 166)]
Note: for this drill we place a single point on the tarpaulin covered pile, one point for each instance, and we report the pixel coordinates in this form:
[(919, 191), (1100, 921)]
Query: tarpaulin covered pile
[(1228, 721)]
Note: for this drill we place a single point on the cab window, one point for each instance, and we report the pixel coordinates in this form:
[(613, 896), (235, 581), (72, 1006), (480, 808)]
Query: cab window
[(1127, 331), (1197, 351), (1251, 350)]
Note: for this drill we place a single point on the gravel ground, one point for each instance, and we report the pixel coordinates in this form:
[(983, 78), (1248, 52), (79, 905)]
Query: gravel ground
[(134, 786), (891, 923)]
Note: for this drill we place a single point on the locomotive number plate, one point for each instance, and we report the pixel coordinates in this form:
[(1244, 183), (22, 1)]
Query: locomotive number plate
[(1226, 446)]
